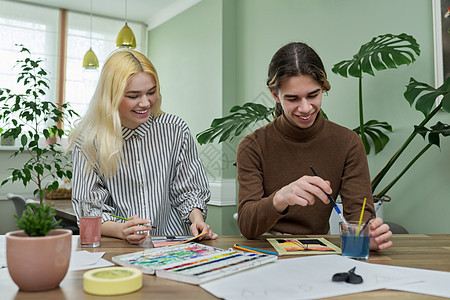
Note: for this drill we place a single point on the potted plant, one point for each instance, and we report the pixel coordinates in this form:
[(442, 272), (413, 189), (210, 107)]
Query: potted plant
[(38, 256), (387, 51), (31, 119), (52, 136), (382, 52)]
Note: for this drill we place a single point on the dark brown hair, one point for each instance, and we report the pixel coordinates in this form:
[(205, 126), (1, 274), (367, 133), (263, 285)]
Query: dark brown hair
[(295, 59)]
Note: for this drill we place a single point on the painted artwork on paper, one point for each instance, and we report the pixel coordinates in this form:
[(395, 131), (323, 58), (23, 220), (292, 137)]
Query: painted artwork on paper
[(292, 246)]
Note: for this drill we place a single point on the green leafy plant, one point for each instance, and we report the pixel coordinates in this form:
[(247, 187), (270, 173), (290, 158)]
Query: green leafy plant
[(37, 219), (30, 119), (425, 97), (231, 126), (383, 52), (52, 132)]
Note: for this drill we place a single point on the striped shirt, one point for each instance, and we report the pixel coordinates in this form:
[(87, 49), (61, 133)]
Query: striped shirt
[(161, 177)]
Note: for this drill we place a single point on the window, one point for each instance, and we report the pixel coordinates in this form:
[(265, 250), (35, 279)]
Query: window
[(80, 84), (34, 27), (37, 28)]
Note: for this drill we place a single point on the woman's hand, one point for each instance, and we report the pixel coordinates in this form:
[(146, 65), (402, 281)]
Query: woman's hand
[(379, 235), (136, 230), (198, 225), (302, 192)]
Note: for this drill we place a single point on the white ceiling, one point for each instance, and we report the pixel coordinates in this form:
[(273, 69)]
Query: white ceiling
[(150, 12)]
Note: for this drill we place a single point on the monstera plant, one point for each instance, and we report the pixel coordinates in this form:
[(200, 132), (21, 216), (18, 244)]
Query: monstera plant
[(383, 52), (231, 126), (424, 96)]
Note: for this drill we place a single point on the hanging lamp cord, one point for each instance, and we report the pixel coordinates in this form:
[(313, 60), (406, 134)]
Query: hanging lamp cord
[(90, 31), (126, 20)]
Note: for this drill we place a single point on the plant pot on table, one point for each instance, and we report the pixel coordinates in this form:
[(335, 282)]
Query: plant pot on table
[(38, 263)]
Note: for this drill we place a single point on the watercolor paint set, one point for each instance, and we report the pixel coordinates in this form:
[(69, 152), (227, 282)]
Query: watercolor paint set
[(214, 266), (192, 262), (150, 260), (162, 241)]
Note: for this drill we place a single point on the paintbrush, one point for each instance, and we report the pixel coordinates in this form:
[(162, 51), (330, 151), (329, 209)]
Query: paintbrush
[(126, 219), (336, 208)]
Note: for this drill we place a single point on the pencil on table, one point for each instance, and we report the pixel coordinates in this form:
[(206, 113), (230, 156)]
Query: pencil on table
[(254, 250), (126, 219)]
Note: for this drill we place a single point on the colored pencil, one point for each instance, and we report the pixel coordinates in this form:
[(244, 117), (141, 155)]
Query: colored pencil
[(372, 215), (254, 250), (361, 216), (126, 219)]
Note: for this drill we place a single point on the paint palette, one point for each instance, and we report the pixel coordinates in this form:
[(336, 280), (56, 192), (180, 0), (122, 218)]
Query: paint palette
[(192, 262), (150, 260)]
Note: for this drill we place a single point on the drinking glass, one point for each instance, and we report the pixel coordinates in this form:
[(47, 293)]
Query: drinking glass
[(90, 222), (355, 240)]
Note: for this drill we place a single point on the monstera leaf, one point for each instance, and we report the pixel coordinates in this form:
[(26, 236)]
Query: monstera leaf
[(374, 131), (434, 132), (383, 52), (227, 128), (427, 100), (241, 117)]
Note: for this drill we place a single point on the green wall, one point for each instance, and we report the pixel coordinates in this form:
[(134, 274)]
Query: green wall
[(215, 55), (187, 53), (198, 84), (221, 220)]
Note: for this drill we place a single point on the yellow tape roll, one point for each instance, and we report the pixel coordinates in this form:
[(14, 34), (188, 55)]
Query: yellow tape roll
[(112, 281)]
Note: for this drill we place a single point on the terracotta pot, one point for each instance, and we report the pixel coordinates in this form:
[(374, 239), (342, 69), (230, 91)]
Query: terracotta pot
[(51, 140), (38, 263)]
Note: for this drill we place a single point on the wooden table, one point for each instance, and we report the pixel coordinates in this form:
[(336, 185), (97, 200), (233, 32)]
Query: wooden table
[(426, 251), (64, 209)]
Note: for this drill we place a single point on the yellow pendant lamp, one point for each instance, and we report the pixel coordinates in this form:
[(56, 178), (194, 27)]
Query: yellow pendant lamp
[(126, 38), (90, 60)]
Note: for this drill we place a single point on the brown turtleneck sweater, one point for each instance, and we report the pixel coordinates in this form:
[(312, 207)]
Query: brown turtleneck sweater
[(278, 154)]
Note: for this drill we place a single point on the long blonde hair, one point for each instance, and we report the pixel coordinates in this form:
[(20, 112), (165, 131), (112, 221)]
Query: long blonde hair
[(99, 132)]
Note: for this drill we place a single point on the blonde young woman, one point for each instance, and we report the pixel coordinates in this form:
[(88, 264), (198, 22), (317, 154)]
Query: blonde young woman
[(141, 162)]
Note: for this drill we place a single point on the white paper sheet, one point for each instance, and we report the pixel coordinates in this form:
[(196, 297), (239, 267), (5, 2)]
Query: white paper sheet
[(304, 278), (79, 260), (436, 283), (83, 260)]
